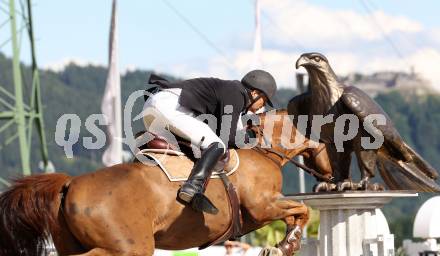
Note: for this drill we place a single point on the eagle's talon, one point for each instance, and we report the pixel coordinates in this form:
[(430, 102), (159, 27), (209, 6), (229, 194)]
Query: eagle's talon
[(376, 187), (346, 185), (364, 184), (324, 187), (321, 187)]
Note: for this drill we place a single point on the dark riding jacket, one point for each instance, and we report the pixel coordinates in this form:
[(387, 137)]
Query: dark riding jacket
[(210, 96)]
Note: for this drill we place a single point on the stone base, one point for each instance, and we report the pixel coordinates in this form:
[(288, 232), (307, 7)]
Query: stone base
[(349, 220)]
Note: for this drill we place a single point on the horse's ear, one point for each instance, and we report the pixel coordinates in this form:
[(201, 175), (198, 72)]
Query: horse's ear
[(156, 79)]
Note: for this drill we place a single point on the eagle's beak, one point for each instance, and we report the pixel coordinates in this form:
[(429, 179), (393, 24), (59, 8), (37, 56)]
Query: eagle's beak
[(303, 60)]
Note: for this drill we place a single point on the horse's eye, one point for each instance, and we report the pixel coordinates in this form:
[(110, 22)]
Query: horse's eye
[(317, 59)]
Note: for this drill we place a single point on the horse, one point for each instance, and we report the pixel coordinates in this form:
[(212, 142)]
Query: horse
[(131, 208)]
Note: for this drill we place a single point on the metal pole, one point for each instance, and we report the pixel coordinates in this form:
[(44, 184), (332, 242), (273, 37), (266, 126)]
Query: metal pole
[(258, 48), (302, 182), (36, 94), (301, 89), (19, 108)]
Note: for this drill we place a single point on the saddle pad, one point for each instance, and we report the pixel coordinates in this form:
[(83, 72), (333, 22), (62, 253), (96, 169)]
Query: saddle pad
[(177, 166)]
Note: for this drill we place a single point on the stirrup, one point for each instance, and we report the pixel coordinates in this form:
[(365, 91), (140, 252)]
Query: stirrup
[(184, 196), (187, 191), (201, 203)]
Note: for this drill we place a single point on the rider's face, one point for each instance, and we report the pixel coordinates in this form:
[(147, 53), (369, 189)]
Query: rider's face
[(259, 103)]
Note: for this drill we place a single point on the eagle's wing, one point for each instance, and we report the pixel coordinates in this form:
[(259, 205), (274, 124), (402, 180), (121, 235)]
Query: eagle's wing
[(399, 175), (362, 105), (400, 166)]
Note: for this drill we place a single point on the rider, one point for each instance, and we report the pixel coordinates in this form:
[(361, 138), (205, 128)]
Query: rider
[(179, 103)]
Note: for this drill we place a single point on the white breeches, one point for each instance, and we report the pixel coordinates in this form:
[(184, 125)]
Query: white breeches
[(164, 116)]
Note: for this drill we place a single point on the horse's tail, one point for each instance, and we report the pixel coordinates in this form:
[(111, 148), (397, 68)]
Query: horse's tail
[(28, 213)]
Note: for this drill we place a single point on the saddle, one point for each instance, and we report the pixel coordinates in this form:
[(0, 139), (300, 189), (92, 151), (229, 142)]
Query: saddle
[(177, 161), (160, 144)]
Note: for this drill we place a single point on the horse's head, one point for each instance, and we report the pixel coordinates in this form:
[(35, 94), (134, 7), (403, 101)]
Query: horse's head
[(277, 133), (278, 137)]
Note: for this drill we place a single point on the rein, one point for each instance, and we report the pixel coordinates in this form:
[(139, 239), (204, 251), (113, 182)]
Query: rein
[(309, 170), (252, 103)]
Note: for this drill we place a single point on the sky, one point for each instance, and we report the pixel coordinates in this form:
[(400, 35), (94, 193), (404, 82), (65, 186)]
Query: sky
[(195, 38)]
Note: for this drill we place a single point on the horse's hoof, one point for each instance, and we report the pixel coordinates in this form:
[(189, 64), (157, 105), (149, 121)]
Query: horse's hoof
[(289, 249), (271, 251)]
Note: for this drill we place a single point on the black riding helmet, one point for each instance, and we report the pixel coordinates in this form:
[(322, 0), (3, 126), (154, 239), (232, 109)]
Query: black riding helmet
[(262, 81)]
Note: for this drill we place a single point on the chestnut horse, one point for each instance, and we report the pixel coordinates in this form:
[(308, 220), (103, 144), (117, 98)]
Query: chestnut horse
[(131, 208)]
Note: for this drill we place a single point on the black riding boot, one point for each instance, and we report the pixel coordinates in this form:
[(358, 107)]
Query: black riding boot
[(192, 190)]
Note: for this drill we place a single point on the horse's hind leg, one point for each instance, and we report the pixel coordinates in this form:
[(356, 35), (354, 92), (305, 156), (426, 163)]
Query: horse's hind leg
[(123, 249), (64, 241), (98, 252), (107, 252), (67, 245), (113, 236)]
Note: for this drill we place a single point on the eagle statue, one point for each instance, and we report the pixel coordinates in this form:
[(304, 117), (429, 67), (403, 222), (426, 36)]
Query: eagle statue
[(399, 165)]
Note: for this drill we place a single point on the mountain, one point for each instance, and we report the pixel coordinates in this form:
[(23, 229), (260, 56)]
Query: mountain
[(387, 81)]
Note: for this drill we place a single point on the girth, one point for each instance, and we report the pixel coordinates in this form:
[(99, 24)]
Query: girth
[(235, 228)]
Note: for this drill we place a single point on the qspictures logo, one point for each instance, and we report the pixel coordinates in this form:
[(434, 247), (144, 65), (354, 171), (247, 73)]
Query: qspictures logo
[(345, 128)]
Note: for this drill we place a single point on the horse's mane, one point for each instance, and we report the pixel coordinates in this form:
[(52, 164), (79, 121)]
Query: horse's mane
[(281, 111)]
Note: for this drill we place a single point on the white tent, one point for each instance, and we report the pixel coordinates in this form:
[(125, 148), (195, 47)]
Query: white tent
[(427, 222), (211, 251)]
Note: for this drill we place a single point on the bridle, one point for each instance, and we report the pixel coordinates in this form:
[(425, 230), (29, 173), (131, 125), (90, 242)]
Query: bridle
[(260, 133), (252, 103)]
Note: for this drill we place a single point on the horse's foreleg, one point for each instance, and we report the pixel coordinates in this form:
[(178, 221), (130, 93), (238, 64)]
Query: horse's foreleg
[(292, 241), (296, 217), (294, 214)]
